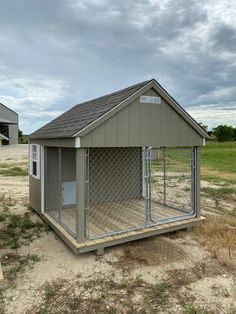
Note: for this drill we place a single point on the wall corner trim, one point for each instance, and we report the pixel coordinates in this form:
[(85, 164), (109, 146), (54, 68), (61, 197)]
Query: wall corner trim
[(77, 142)]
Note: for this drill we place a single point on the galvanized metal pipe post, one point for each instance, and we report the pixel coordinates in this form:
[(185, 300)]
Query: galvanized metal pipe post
[(164, 174), (146, 186), (149, 160), (197, 180), (193, 178), (46, 179), (60, 184), (86, 200), (80, 193)]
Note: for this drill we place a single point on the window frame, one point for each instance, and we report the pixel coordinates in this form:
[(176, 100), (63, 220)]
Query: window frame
[(35, 160)]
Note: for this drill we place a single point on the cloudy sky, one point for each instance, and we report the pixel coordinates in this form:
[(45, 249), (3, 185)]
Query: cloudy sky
[(56, 53)]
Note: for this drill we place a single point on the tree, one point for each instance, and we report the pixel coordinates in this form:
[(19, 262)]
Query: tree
[(224, 133), (22, 139), (234, 134), (204, 126)]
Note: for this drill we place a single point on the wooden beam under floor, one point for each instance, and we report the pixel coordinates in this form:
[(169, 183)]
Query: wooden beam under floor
[(103, 242)]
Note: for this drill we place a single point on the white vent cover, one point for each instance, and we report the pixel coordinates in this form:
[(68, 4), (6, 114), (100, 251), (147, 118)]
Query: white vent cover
[(150, 99)]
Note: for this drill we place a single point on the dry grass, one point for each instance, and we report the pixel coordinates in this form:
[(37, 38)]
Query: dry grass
[(218, 235), (218, 174)]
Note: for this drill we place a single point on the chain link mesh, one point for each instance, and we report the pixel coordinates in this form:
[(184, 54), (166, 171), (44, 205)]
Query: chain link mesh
[(61, 186), (116, 201), (125, 188), (172, 182)]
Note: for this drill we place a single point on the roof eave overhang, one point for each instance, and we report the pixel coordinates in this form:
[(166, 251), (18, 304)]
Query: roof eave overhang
[(7, 122)]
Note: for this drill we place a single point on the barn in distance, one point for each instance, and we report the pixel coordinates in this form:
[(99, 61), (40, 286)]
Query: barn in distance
[(8, 126)]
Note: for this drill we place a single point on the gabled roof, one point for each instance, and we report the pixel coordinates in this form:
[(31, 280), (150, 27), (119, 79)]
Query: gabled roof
[(8, 108), (90, 113), (81, 115)]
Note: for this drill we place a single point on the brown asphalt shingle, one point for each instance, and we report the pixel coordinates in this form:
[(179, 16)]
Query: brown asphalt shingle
[(81, 115)]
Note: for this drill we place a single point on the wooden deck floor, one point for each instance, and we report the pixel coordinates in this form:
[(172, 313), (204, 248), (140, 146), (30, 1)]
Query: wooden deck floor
[(116, 216), (106, 241)]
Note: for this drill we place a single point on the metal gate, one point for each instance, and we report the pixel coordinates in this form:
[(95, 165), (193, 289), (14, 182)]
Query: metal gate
[(171, 183)]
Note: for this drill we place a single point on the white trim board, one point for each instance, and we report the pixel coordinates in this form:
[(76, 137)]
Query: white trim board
[(77, 142)]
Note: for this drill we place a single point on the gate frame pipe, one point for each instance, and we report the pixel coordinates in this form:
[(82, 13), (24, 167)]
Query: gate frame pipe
[(80, 194)]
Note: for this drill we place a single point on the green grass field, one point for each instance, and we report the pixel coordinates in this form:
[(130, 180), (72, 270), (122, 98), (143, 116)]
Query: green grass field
[(219, 161)]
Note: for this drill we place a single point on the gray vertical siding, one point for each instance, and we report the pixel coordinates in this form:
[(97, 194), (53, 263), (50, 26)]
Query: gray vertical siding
[(59, 170), (52, 179), (13, 134), (142, 124), (68, 164), (35, 193)]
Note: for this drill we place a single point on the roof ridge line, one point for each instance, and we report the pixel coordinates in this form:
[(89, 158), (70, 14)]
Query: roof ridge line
[(110, 94)]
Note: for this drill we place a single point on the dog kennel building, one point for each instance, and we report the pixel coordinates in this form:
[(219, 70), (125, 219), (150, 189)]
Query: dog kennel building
[(117, 168)]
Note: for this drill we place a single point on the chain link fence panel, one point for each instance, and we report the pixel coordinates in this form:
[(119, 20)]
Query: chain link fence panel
[(116, 196), (61, 186), (124, 188), (172, 183)]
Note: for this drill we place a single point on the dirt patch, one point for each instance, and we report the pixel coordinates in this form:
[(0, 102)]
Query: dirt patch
[(14, 154), (218, 174), (15, 188), (206, 184), (9, 258), (134, 295), (180, 277), (215, 292), (150, 252), (162, 274)]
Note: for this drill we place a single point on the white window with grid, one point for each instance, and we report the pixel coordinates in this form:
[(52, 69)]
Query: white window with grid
[(35, 160)]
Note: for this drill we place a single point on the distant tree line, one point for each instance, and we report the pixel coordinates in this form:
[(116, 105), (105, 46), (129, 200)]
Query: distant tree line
[(22, 138), (221, 133)]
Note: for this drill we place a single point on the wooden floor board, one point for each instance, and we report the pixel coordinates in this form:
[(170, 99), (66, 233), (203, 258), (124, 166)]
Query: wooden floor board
[(117, 216), (106, 241)]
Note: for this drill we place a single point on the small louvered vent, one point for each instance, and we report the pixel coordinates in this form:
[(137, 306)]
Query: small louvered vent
[(150, 99)]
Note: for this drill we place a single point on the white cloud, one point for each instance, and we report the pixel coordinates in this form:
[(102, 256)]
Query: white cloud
[(33, 98), (57, 53), (213, 114)]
